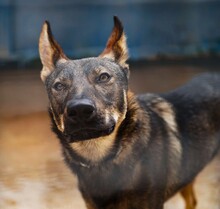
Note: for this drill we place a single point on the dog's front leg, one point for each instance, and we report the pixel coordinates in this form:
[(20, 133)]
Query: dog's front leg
[(188, 194), (90, 206)]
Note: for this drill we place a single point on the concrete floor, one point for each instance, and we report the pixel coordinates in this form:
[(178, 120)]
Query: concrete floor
[(32, 173)]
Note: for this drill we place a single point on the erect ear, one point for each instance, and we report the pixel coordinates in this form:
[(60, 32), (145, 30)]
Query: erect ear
[(50, 51), (116, 47)]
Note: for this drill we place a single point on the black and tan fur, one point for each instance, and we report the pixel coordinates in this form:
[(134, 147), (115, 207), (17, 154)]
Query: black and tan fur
[(128, 151)]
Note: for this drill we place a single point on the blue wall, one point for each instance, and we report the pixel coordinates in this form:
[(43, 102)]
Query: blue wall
[(83, 26)]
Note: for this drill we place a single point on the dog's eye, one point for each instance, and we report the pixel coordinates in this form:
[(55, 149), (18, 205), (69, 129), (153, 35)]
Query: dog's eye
[(59, 86), (104, 77)]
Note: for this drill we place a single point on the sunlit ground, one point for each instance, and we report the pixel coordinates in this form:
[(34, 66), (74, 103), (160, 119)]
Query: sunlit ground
[(32, 172)]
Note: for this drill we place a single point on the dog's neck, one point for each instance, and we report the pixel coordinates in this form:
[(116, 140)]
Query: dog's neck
[(91, 152)]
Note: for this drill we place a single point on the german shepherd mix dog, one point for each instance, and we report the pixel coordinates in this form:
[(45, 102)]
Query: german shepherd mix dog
[(128, 152)]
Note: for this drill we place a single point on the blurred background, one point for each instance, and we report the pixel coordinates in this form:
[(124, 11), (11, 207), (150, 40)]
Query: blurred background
[(170, 41), (154, 27)]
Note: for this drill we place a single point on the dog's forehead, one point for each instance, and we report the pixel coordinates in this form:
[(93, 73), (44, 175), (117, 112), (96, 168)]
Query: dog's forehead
[(88, 64)]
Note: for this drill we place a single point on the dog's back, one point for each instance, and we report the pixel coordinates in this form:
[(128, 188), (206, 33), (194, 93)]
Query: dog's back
[(191, 115), (197, 108)]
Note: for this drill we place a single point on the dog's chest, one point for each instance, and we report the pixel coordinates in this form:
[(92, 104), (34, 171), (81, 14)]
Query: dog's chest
[(109, 179)]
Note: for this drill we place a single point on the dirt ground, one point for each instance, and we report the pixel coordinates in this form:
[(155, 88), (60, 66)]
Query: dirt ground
[(32, 172)]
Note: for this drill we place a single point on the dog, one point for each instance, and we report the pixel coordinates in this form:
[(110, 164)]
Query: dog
[(128, 151)]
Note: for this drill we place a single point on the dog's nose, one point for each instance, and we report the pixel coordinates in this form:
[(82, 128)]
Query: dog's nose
[(81, 109)]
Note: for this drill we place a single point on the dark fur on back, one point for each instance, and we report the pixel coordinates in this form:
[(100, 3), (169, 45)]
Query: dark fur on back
[(197, 109), (128, 151)]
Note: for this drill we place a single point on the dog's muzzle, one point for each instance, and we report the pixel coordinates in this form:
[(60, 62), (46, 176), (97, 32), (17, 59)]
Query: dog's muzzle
[(83, 122), (81, 110)]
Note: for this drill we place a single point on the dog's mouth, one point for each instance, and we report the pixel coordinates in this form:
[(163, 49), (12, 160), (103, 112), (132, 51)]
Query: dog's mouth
[(88, 133)]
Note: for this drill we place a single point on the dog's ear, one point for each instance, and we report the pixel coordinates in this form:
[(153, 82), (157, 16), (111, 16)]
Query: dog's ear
[(50, 51), (116, 47)]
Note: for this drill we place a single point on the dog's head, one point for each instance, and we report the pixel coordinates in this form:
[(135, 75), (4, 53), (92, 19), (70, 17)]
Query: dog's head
[(88, 97)]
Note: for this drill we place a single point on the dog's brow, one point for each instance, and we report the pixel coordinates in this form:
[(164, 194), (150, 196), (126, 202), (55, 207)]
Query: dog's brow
[(99, 69)]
